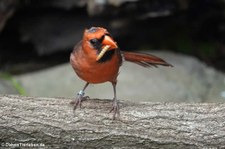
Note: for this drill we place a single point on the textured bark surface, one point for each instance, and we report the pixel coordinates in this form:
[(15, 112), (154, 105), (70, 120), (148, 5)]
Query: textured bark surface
[(52, 122)]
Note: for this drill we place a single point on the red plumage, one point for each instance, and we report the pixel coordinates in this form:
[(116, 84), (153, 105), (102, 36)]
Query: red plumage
[(145, 60)]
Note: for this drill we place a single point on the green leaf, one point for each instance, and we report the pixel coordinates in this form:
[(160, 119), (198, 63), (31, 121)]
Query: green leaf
[(14, 83)]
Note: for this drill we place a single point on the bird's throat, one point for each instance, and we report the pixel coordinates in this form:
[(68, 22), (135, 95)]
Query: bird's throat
[(107, 56)]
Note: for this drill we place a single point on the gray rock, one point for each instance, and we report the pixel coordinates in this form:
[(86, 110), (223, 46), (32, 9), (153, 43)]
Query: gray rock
[(7, 8), (6, 87), (66, 4), (188, 81), (54, 32)]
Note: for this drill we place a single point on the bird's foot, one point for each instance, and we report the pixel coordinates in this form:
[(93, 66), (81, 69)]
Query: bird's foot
[(79, 99), (115, 109)]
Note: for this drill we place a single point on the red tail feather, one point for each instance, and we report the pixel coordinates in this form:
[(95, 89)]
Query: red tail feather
[(145, 60)]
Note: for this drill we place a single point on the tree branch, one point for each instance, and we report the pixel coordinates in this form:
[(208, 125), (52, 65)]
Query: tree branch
[(52, 122)]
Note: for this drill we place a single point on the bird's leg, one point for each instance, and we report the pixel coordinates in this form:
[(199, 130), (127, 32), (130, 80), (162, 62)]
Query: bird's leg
[(115, 107), (80, 97)]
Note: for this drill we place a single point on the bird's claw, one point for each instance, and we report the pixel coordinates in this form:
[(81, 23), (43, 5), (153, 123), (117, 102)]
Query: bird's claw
[(78, 101), (115, 109)]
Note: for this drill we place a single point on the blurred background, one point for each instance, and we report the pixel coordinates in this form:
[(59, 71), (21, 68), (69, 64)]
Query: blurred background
[(36, 38)]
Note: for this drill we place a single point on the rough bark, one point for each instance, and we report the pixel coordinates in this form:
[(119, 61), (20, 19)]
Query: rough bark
[(52, 122)]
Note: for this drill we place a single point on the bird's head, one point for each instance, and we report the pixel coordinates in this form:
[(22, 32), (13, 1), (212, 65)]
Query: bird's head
[(98, 39)]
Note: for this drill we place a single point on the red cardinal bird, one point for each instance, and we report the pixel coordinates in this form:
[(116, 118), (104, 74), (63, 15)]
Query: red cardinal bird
[(97, 58)]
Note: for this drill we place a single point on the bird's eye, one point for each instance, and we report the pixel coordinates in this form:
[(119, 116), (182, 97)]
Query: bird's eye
[(94, 42)]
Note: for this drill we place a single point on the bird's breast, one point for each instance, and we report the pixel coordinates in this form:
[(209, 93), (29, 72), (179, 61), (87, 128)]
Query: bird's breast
[(92, 71)]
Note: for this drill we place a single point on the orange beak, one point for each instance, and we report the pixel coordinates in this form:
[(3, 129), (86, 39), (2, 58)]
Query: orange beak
[(109, 41), (108, 44)]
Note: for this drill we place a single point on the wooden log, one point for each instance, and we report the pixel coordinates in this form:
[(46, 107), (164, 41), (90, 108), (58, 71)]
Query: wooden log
[(51, 123)]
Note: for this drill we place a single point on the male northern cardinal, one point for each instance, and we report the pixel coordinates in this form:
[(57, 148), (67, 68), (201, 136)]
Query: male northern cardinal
[(97, 58)]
